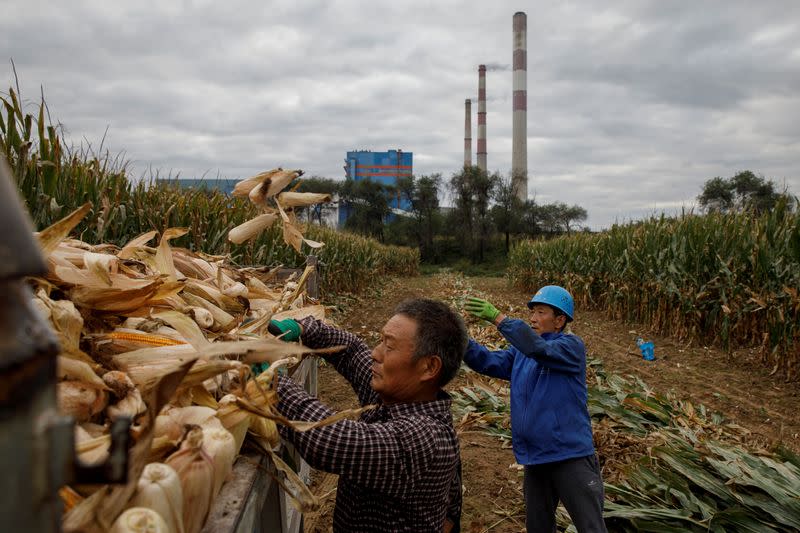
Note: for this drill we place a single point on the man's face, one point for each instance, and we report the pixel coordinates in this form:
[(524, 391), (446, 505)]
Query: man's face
[(544, 319), (395, 376)]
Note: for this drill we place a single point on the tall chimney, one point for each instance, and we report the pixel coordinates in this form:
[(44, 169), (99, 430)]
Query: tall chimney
[(482, 117), (467, 133), (519, 143)]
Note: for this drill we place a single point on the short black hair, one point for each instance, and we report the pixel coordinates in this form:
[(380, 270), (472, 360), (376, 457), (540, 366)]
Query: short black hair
[(440, 331)]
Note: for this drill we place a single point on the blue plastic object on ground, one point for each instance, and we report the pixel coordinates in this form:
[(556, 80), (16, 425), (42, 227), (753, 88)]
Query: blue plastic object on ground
[(647, 349)]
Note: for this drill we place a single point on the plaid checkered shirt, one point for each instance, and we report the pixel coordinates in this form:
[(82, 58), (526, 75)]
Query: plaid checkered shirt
[(399, 464)]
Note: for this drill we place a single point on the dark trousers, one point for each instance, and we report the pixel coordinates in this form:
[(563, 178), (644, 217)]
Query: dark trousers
[(576, 483)]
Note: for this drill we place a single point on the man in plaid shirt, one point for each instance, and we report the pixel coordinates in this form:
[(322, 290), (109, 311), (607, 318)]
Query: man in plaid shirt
[(398, 464)]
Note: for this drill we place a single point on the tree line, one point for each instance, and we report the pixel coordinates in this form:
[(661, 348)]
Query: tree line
[(743, 191), (483, 217), (483, 214)]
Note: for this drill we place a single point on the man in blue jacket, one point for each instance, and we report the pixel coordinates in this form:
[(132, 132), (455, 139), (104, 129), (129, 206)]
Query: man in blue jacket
[(550, 426)]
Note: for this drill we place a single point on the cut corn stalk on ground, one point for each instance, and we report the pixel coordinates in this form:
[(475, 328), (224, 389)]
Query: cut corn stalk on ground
[(140, 324)]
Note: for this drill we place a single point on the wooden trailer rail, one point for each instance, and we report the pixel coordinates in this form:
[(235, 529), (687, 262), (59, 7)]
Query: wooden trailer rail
[(251, 501)]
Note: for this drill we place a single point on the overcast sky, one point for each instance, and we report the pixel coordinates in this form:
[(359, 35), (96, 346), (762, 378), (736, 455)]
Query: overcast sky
[(632, 105)]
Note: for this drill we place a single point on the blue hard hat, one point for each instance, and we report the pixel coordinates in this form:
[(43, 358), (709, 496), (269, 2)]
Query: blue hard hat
[(557, 297)]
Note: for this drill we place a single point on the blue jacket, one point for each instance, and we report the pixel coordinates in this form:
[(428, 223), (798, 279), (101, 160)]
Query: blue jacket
[(549, 418)]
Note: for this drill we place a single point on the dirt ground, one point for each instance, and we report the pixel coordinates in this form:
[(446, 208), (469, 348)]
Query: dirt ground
[(737, 387)]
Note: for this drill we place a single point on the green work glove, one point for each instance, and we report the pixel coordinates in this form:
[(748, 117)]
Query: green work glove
[(288, 329), (258, 368), (481, 309)]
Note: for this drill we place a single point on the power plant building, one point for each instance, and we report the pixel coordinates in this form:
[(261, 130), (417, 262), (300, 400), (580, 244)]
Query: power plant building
[(385, 168)]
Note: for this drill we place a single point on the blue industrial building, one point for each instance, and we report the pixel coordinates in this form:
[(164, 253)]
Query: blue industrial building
[(383, 167)]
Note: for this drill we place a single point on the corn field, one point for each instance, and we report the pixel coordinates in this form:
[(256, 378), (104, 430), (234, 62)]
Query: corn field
[(730, 279), (53, 180)]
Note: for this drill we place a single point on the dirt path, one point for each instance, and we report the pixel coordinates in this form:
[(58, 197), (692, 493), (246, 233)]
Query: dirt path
[(740, 389)]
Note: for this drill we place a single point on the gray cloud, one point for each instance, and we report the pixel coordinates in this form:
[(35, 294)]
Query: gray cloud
[(632, 105)]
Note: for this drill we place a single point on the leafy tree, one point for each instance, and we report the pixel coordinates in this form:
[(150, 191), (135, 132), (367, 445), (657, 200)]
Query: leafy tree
[(745, 190), (531, 219), (368, 205), (567, 215), (550, 219), (717, 195), (483, 186), (423, 195), (507, 212), (472, 190), (460, 218), (319, 184)]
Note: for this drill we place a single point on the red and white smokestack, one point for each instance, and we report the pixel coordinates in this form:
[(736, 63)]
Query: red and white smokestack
[(467, 133), (519, 143), (482, 117)]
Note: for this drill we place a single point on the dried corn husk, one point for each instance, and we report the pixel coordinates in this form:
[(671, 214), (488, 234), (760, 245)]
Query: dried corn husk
[(292, 235), (163, 260), (243, 187), (102, 265), (234, 419), (69, 497), (42, 309), (118, 382), (130, 249), (94, 430), (196, 473), (272, 185), (89, 278), (210, 292), (202, 397), (184, 325), (130, 398), (235, 290), (316, 311), (202, 317), (98, 512), (75, 370), (192, 265), (222, 319), (172, 421), (66, 320), (203, 370), (91, 450), (140, 520), (80, 399), (159, 489), (299, 494), (220, 446), (252, 228), (266, 429), (115, 299), (279, 181), (50, 238), (302, 199), (122, 298), (258, 289)]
